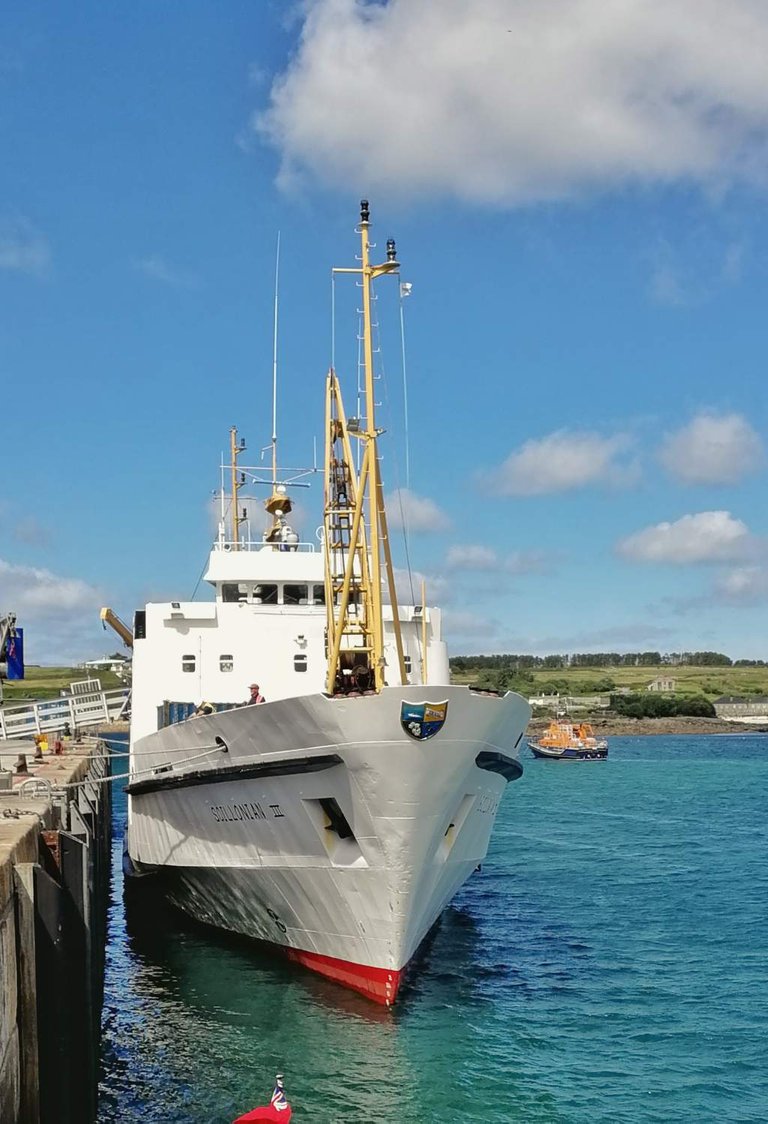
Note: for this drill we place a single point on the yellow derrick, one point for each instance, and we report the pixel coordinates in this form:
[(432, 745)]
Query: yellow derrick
[(355, 515)]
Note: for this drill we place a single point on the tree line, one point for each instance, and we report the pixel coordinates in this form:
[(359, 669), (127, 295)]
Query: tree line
[(512, 663)]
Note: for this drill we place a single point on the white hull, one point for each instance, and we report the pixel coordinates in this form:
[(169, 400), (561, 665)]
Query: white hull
[(244, 841)]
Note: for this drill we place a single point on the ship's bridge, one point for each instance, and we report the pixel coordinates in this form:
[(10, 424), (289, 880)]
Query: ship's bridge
[(262, 573)]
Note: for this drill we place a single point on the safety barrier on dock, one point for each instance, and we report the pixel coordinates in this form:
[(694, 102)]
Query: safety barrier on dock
[(55, 841), (84, 705)]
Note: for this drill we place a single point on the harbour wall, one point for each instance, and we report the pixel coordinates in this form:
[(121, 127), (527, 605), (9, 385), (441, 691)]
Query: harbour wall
[(54, 889)]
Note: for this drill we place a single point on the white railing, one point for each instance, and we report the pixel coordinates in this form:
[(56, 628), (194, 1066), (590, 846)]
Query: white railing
[(85, 708), (228, 545)]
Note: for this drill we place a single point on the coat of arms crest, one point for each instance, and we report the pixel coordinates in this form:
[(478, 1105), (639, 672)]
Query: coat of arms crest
[(423, 720)]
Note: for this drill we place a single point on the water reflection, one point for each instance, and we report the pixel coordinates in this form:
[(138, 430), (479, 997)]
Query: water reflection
[(197, 1022)]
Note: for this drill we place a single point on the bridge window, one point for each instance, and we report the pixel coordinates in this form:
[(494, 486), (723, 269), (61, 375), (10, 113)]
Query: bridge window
[(300, 662), (226, 663), (231, 591), (187, 663), (265, 595), (318, 594), (294, 595)]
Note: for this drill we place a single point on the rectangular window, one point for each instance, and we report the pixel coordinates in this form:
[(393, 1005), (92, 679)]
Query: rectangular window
[(318, 594), (187, 663), (294, 595), (231, 591), (226, 663), (300, 662), (407, 662), (265, 595)]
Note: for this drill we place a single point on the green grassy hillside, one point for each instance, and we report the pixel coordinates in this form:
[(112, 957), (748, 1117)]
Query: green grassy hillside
[(48, 682), (708, 681)]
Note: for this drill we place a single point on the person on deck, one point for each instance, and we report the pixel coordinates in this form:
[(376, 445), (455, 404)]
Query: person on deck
[(256, 696)]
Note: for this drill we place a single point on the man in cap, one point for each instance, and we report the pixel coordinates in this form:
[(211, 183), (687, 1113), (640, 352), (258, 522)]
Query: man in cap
[(256, 696)]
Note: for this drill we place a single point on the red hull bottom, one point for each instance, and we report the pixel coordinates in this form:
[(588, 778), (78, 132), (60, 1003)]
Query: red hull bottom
[(379, 984)]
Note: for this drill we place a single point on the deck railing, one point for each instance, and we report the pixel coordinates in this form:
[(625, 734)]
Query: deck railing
[(77, 709), (228, 545)]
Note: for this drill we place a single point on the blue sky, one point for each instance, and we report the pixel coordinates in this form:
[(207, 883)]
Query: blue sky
[(578, 196)]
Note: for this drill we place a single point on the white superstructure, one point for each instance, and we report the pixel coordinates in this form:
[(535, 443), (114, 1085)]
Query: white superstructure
[(267, 624), (339, 817)]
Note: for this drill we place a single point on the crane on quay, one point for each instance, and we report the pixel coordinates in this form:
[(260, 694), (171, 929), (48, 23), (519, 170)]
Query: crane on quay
[(108, 617)]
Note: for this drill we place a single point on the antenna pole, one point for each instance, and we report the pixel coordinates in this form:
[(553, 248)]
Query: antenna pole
[(423, 632), (233, 450), (274, 368), (373, 460)]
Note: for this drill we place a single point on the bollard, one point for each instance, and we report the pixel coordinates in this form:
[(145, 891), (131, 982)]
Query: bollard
[(21, 764)]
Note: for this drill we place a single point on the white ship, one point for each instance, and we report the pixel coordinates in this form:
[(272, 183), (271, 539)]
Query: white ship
[(338, 818)]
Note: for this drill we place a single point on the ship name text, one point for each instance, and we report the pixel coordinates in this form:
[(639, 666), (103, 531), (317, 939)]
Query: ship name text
[(248, 810)]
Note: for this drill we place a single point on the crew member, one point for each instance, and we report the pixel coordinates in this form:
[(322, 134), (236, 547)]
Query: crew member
[(256, 695)]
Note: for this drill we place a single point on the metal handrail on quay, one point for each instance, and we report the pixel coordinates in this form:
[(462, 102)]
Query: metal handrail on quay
[(85, 705)]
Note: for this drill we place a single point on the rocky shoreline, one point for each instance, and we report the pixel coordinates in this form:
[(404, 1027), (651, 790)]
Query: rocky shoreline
[(632, 727), (615, 725)]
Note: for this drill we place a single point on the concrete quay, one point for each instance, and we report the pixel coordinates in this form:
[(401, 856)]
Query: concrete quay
[(55, 846)]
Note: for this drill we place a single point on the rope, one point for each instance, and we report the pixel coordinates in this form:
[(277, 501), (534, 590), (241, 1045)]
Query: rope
[(405, 395), (333, 320), (138, 772), (399, 490)]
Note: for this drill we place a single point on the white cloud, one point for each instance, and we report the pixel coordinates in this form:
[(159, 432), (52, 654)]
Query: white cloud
[(510, 103), (563, 461), (30, 532), (459, 623), (476, 556), (472, 556), (630, 637), (709, 536), (159, 269), (408, 586), (712, 449), (60, 616), (415, 513), (24, 249), (693, 272), (745, 585)]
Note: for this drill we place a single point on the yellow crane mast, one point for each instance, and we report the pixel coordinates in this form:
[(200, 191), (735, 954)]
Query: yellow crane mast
[(355, 522)]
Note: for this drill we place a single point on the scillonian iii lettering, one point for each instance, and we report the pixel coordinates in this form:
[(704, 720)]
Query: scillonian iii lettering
[(233, 813)]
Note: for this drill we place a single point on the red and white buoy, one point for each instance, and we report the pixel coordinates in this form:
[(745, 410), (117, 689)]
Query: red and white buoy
[(278, 1108)]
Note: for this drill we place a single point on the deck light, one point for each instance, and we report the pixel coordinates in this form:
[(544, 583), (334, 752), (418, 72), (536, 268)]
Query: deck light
[(391, 254), (364, 213)]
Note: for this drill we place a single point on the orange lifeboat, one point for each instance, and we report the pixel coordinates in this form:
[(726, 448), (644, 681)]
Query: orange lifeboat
[(571, 741)]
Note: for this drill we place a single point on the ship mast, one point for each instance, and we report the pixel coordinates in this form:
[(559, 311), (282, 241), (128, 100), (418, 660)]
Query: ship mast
[(237, 482), (279, 504), (354, 513)]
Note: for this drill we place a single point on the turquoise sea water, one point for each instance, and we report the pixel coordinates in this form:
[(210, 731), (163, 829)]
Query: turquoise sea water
[(608, 965)]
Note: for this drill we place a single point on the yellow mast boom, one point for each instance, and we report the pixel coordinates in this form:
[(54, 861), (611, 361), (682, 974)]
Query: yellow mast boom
[(353, 593)]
